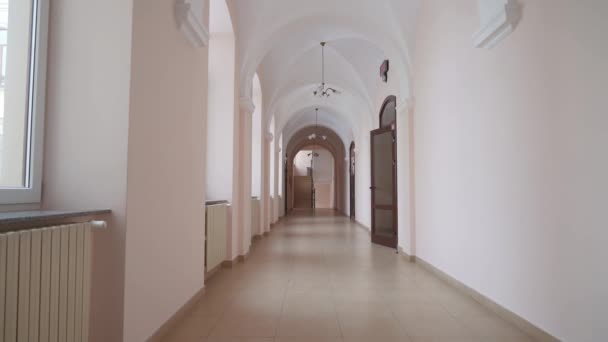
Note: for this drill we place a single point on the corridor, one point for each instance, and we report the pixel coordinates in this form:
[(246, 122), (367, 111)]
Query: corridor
[(303, 171), (317, 277)]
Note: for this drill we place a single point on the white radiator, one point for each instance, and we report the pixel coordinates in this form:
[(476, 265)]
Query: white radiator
[(45, 283), (216, 235), (255, 217)]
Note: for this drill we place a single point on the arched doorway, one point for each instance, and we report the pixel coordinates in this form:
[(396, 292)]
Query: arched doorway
[(351, 173), (384, 176), (314, 177), (332, 143)]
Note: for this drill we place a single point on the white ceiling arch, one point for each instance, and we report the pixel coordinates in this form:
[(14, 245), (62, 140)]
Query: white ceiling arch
[(279, 39), (305, 70), (296, 25), (302, 97), (328, 118), (352, 110)]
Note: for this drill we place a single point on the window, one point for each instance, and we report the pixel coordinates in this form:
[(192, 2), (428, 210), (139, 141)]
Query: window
[(23, 35)]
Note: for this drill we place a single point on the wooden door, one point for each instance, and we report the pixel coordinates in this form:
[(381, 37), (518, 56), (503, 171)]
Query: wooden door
[(384, 186)]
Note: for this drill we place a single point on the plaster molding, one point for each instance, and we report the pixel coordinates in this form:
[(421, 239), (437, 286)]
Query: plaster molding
[(268, 136), (191, 23), (246, 105), (498, 19)]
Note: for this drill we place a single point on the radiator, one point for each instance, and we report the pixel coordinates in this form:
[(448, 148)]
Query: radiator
[(216, 229), (255, 217), (45, 283)]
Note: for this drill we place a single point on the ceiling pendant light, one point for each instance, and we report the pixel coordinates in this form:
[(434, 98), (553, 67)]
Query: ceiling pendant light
[(323, 91), (313, 136)]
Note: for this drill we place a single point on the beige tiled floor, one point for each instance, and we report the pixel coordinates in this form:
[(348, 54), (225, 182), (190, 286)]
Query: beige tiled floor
[(318, 278)]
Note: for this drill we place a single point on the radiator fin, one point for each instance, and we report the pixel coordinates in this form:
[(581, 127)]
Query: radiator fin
[(3, 252), (44, 284), (12, 287)]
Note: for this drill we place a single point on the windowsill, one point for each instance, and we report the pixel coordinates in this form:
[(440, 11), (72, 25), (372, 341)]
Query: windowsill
[(21, 220)]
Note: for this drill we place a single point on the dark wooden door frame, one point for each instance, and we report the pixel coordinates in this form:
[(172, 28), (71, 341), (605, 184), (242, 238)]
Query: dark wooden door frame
[(389, 127), (389, 99), (351, 173), (285, 185), (382, 240)]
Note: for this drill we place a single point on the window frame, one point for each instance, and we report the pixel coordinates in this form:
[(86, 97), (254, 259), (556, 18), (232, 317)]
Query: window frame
[(35, 146)]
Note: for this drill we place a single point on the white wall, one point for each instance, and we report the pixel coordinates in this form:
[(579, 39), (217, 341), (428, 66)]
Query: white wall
[(220, 121), (272, 157), (265, 202), (274, 174), (511, 160), (256, 139), (277, 175), (323, 169), (87, 120), (323, 174), (346, 190), (301, 163), (405, 177), (324, 179), (281, 162), (166, 170), (363, 179)]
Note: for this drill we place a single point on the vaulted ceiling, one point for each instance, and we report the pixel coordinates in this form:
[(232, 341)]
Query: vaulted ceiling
[(279, 40)]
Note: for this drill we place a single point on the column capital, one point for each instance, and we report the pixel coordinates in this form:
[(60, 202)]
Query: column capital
[(246, 105)]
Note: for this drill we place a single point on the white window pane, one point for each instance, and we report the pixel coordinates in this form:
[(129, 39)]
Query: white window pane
[(16, 17)]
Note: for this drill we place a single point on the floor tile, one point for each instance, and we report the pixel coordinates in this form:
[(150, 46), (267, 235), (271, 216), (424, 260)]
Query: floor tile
[(239, 339), (492, 326), (440, 326), (193, 329), (309, 326), (307, 339), (319, 279), (377, 339), (368, 325)]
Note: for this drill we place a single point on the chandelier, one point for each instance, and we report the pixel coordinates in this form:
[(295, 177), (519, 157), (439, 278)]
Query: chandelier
[(322, 90), (314, 136)]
